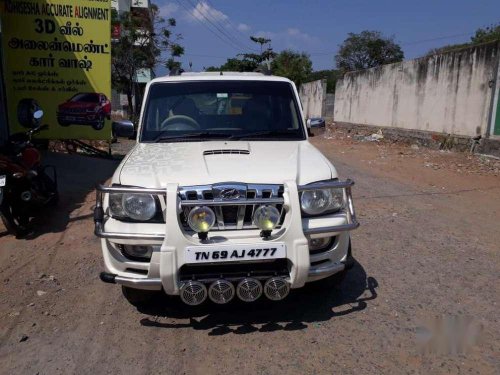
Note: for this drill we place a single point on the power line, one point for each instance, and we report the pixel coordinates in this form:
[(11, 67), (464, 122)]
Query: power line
[(234, 27), (214, 32), (434, 39), (210, 56), (406, 43), (223, 32), (222, 27)]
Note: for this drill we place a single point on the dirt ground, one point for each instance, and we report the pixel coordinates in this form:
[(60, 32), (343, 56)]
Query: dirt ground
[(427, 265)]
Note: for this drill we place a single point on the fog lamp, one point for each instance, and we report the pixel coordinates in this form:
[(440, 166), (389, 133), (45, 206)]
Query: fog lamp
[(316, 244), (266, 218), (137, 251), (201, 220)]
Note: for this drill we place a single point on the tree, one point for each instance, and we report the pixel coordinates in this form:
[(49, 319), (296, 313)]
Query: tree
[(488, 34), (235, 65), (139, 45), (331, 77), (296, 66), (367, 50), (247, 62), (261, 41)]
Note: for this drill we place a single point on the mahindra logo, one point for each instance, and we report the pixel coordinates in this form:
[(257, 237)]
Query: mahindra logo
[(230, 194)]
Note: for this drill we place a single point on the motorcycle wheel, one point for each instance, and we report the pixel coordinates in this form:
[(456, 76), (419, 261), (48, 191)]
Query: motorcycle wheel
[(48, 186), (16, 224)]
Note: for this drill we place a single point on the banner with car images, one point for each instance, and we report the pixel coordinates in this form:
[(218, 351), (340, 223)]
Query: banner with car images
[(57, 57)]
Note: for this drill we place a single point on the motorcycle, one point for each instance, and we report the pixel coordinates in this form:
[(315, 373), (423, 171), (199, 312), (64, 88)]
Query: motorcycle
[(27, 188)]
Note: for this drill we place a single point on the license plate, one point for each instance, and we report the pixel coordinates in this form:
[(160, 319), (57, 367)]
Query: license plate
[(2, 180), (70, 118), (234, 253)]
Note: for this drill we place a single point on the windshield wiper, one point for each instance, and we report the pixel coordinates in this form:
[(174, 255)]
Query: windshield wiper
[(264, 133), (200, 135)]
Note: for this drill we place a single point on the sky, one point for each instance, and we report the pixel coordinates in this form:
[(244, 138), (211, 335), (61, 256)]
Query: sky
[(213, 30)]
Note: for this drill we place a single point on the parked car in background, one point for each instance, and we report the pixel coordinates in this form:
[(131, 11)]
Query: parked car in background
[(85, 109)]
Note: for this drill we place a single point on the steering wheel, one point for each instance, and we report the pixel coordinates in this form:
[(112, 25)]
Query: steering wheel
[(179, 122)]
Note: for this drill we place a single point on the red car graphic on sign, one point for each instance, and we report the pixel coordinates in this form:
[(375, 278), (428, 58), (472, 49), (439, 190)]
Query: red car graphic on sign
[(85, 109)]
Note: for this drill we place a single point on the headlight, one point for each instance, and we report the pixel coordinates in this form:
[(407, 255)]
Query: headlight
[(116, 206), (139, 206), (201, 219), (266, 218), (320, 201)]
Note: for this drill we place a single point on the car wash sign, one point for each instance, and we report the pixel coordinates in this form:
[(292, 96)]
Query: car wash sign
[(57, 57)]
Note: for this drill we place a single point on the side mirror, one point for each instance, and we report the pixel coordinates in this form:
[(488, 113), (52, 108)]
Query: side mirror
[(316, 122), (122, 128), (308, 125)]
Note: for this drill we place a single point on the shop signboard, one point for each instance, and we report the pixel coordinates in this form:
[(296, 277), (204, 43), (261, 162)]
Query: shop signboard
[(57, 57)]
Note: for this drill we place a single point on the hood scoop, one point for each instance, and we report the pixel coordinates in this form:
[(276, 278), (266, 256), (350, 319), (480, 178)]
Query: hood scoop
[(226, 152)]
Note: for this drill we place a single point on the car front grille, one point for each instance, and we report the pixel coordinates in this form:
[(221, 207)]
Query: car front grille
[(72, 110), (231, 213)]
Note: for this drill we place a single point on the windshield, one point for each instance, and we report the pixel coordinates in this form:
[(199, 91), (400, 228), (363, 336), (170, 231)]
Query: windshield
[(87, 98), (201, 110)]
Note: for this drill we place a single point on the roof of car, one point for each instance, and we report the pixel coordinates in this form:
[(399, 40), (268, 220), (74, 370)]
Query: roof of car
[(220, 76)]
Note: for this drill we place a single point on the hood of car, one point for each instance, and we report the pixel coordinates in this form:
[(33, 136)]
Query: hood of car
[(154, 165)]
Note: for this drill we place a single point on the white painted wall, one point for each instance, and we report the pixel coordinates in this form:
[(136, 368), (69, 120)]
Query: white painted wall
[(312, 95), (447, 93)]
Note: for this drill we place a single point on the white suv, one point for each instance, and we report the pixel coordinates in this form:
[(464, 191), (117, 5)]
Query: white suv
[(223, 195)]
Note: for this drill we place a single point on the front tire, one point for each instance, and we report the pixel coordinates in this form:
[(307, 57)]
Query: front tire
[(100, 123), (15, 223), (63, 123)]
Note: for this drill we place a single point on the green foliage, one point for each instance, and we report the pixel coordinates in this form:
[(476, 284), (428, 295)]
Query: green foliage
[(367, 50), (486, 35), (331, 77), (260, 40), (143, 38), (295, 66), (235, 65), (246, 62)]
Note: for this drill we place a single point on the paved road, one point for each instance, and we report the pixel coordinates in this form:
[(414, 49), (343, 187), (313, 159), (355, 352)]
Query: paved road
[(428, 248)]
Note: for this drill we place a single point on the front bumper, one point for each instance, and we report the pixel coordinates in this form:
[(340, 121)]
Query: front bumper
[(169, 241), (79, 118)]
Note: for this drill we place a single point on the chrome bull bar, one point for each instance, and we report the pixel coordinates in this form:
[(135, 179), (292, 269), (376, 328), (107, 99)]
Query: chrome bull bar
[(352, 222), (100, 215)]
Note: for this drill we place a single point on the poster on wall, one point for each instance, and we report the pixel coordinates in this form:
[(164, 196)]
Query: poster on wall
[(57, 57)]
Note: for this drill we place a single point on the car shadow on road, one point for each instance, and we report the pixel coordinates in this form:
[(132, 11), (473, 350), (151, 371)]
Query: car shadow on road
[(313, 304)]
